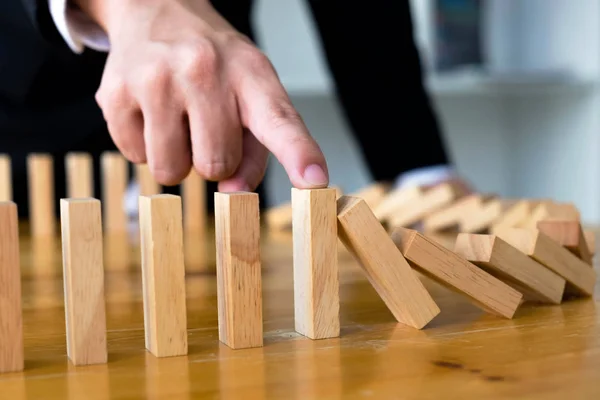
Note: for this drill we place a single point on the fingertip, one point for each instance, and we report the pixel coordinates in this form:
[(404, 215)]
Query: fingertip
[(315, 176), (234, 185)]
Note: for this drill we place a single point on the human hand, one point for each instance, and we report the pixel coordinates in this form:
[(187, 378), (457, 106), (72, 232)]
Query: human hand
[(181, 89)]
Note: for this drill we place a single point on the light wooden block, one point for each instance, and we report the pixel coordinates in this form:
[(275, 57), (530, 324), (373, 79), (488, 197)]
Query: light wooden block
[(83, 275), (507, 263), (147, 184), (395, 199), (11, 321), (590, 238), (115, 177), (456, 273), (515, 215), (239, 281), (449, 217), (80, 176), (316, 273), (549, 210), (163, 275), (6, 192), (430, 201), (568, 234), (194, 203), (483, 218), (40, 176), (580, 278), (386, 269), (373, 194)]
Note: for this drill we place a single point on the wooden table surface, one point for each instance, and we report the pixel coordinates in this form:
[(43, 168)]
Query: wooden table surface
[(545, 352)]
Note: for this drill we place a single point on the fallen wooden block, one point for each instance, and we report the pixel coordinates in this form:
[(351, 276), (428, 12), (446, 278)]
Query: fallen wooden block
[(516, 213), (395, 199), (548, 210), (389, 273), (507, 263), (456, 273), (568, 234), (373, 194), (482, 219), (431, 200), (580, 278), (448, 218)]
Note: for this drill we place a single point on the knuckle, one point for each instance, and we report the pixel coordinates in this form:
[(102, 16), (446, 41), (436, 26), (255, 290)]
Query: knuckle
[(155, 78), (256, 60), (113, 95), (200, 60)]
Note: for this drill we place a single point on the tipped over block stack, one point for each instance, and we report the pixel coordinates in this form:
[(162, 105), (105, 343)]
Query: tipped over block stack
[(239, 280), (316, 280), (386, 269), (163, 275)]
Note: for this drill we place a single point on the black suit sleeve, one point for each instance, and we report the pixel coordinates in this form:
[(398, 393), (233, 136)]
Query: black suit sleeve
[(370, 50), (41, 22)]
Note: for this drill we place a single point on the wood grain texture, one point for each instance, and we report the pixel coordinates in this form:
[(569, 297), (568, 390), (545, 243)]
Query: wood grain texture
[(83, 272), (40, 179), (568, 234), (456, 273), (80, 175), (507, 263), (11, 320), (581, 279), (163, 275), (386, 269), (239, 280), (115, 177), (316, 274)]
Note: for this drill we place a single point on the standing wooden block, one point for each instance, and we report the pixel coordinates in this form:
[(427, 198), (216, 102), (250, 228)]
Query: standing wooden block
[(115, 176), (6, 193), (569, 235), (429, 201), (580, 278), (147, 183), (11, 322), (316, 280), (80, 176), (389, 273), (239, 282), (194, 203), (83, 275), (455, 272), (163, 275), (40, 175), (449, 217), (505, 262)]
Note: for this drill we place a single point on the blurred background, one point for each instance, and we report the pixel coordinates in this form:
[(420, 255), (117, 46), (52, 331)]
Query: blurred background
[(515, 84)]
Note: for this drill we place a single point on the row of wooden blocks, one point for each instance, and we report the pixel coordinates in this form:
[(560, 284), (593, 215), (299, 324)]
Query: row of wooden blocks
[(496, 272), (80, 184)]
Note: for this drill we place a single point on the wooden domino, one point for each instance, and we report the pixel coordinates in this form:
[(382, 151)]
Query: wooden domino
[(514, 215), (449, 218), (581, 279), (483, 218), (147, 184), (456, 273), (373, 194), (80, 175), (316, 280), (507, 263), (115, 176), (590, 238), (429, 201), (6, 193), (389, 273), (83, 275), (40, 175), (395, 199), (549, 210), (163, 275), (239, 281), (194, 203), (11, 320), (568, 234)]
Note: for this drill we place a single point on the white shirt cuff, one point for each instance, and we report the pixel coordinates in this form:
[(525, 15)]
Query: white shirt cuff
[(77, 29), (425, 176)]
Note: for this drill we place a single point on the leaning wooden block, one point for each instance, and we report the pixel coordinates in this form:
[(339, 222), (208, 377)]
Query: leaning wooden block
[(11, 321), (239, 287), (386, 269), (569, 235), (163, 275), (456, 273), (516, 214), (580, 278), (396, 199), (449, 217), (83, 274), (373, 194), (549, 210), (316, 280), (483, 218), (431, 200), (507, 263)]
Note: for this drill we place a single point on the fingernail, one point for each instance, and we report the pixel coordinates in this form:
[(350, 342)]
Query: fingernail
[(315, 175)]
